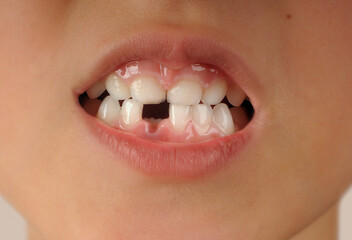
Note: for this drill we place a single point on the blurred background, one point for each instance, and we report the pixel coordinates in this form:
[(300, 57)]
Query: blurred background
[(12, 226)]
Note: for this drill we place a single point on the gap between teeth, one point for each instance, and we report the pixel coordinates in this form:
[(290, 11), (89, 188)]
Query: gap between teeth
[(185, 98)]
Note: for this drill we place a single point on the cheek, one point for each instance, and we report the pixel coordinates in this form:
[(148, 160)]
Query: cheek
[(309, 105)]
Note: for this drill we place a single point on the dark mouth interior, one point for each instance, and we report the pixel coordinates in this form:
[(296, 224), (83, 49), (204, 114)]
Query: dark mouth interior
[(156, 110)]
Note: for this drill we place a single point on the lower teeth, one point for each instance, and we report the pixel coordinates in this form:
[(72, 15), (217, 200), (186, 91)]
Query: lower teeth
[(201, 121)]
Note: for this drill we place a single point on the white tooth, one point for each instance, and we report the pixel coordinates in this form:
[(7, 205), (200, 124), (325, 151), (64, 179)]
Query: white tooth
[(235, 95), (109, 111), (147, 90), (117, 88), (179, 116), (96, 90), (215, 93), (222, 118), (131, 112), (185, 92), (202, 115)]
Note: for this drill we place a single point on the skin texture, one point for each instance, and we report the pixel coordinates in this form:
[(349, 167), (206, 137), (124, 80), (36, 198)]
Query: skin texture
[(295, 169)]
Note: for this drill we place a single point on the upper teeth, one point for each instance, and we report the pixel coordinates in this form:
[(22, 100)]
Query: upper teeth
[(117, 88), (185, 92), (236, 95), (215, 93), (184, 98), (96, 90), (147, 90)]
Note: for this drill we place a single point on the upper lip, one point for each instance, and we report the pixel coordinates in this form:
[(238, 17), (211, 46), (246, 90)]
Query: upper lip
[(174, 49)]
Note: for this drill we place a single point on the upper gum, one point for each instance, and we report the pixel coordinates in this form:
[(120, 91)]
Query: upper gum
[(167, 77)]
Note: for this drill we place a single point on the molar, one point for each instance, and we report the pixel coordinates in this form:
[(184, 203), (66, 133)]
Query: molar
[(185, 92), (222, 118), (109, 111), (215, 93), (147, 90), (117, 88)]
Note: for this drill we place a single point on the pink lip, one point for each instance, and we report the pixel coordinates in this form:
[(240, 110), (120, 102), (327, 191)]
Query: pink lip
[(174, 49)]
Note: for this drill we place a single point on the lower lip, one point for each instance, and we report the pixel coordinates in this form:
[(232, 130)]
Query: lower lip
[(156, 158)]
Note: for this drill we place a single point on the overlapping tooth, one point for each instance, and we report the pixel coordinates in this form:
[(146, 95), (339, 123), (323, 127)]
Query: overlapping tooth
[(109, 111), (117, 88), (147, 90), (179, 116), (215, 93), (131, 112), (96, 90), (222, 119), (235, 95), (185, 92), (202, 116)]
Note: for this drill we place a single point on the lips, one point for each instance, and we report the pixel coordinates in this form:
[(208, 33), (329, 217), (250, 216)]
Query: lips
[(154, 156)]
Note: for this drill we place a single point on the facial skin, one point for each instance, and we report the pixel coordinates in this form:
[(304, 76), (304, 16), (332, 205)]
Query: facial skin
[(295, 169)]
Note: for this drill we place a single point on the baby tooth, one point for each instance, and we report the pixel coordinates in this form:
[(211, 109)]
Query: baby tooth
[(179, 116), (131, 112), (109, 110), (96, 90), (117, 88), (222, 118), (185, 92), (235, 95), (215, 93), (202, 115), (147, 90)]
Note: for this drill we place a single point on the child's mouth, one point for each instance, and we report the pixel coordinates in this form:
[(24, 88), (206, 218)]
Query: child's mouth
[(148, 100), (174, 107)]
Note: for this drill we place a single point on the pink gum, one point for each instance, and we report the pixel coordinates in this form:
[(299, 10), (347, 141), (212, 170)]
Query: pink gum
[(166, 76)]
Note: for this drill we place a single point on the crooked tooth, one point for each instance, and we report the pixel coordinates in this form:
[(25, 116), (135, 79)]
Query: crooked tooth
[(222, 118), (179, 116), (117, 88), (96, 90), (235, 95), (147, 90), (131, 112), (185, 92), (202, 116), (215, 93), (109, 111)]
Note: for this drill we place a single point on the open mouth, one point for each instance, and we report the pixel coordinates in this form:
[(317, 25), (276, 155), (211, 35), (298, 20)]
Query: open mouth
[(151, 101), (172, 108)]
